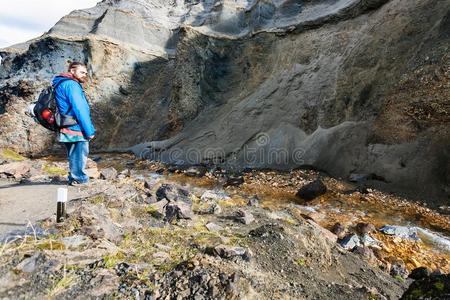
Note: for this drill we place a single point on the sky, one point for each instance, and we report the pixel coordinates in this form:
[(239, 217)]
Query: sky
[(22, 20)]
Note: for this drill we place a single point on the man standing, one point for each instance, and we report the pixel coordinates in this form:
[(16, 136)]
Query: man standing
[(71, 101)]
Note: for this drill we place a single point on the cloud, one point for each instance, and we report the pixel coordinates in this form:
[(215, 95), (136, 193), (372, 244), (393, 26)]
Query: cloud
[(22, 20)]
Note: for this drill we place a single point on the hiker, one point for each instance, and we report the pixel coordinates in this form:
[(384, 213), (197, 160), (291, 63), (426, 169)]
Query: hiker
[(71, 101)]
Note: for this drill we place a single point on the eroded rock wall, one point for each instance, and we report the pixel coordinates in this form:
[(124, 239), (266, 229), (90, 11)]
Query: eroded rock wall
[(348, 86)]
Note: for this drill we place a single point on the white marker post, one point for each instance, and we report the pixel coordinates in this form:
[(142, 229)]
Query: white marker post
[(61, 205)]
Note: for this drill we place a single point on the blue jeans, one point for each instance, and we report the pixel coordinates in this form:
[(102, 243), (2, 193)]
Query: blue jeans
[(77, 153)]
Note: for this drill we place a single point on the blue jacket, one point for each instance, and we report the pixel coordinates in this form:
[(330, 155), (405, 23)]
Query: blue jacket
[(71, 101)]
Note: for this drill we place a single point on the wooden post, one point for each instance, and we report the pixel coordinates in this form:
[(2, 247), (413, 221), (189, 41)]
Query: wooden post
[(61, 205)]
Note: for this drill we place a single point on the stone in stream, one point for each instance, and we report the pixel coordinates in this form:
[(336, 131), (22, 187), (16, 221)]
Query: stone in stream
[(365, 228), (124, 174), (398, 268), (195, 171), (244, 217), (233, 180), (312, 190), (350, 242), (214, 209), (214, 196), (339, 230), (369, 241), (400, 231), (253, 201), (172, 193)]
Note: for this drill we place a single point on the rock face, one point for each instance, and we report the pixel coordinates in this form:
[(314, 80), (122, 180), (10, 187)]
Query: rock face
[(347, 86)]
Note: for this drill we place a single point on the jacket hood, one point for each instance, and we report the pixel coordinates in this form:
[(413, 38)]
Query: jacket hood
[(62, 76)]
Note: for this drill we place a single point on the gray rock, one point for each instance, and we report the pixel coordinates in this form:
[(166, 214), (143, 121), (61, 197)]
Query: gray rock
[(213, 227), (398, 268), (172, 193), (244, 217), (350, 242), (74, 241), (228, 252), (97, 222), (365, 228), (400, 231), (339, 230), (214, 196), (253, 201), (158, 209), (214, 209), (178, 210), (104, 282), (16, 169), (108, 173), (124, 174), (195, 171), (233, 180), (369, 241), (163, 247), (28, 265)]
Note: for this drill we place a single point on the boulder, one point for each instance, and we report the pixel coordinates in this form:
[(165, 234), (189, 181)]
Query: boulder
[(108, 173), (244, 217), (312, 190), (172, 193)]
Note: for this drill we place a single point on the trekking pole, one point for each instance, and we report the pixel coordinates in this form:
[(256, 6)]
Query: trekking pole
[(61, 205)]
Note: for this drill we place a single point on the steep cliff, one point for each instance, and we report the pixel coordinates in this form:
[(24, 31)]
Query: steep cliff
[(347, 86)]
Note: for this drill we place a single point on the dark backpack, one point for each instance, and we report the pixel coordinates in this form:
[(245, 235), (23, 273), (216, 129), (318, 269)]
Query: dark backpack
[(46, 111)]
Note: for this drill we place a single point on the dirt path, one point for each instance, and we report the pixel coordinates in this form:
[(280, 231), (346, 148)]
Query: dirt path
[(24, 203)]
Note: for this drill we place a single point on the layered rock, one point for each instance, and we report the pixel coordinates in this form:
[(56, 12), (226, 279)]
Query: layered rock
[(347, 86)]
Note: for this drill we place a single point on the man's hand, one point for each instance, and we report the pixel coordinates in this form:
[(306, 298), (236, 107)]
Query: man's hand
[(91, 137)]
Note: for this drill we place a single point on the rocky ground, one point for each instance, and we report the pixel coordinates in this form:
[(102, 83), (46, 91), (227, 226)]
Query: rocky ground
[(145, 230)]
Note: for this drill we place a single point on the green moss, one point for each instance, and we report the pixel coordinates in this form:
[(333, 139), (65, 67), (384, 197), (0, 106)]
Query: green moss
[(97, 199), (12, 155), (439, 285), (399, 278), (416, 293), (151, 210), (50, 244), (64, 283), (111, 261), (301, 262), (290, 221), (54, 170)]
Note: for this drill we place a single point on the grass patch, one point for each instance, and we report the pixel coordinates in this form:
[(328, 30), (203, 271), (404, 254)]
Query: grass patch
[(67, 281), (97, 199), (12, 155), (151, 210), (54, 170), (399, 278), (111, 261), (182, 244), (439, 285)]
